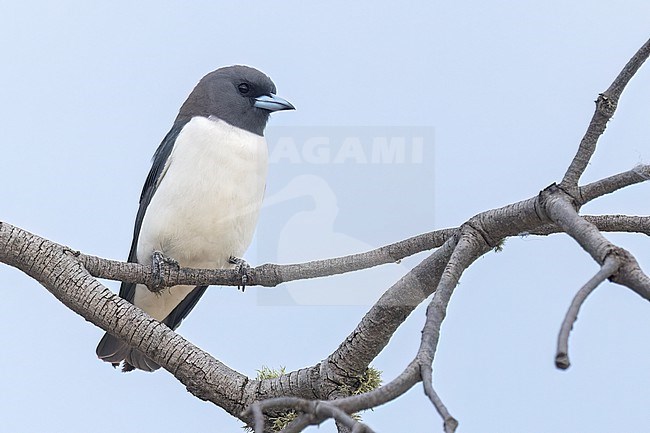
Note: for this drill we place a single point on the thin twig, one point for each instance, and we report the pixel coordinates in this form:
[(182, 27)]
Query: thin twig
[(449, 422), (303, 421), (608, 185), (314, 412), (605, 108), (258, 417), (471, 245), (608, 268), (256, 410), (267, 275), (620, 223), (604, 223), (329, 410)]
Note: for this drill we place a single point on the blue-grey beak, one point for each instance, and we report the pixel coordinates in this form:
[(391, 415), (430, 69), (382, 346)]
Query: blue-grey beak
[(273, 102)]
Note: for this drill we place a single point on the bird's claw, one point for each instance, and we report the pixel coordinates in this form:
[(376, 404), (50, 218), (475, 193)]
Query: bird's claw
[(242, 269), (161, 265)]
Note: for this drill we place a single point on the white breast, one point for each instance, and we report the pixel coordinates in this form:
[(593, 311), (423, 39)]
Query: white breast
[(206, 206)]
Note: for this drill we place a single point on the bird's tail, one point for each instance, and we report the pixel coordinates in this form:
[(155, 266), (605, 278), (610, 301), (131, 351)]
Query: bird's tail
[(114, 350)]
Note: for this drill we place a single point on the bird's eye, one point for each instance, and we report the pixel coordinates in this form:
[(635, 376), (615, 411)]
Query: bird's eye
[(243, 88)]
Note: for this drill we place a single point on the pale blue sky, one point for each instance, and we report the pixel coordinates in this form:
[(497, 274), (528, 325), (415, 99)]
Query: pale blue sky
[(505, 90)]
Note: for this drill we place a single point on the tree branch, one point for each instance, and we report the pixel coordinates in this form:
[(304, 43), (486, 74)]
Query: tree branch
[(473, 245), (597, 189), (385, 393), (63, 276), (609, 267), (314, 412), (449, 423), (303, 421), (267, 275), (605, 108), (604, 223), (376, 328), (559, 208), (492, 226), (470, 247)]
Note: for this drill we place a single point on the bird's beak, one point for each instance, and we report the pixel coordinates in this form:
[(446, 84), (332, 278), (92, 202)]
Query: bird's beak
[(272, 102)]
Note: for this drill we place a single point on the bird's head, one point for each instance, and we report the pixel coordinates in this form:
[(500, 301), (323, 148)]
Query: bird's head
[(240, 95)]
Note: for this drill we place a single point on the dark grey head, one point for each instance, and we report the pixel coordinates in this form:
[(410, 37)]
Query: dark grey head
[(242, 96)]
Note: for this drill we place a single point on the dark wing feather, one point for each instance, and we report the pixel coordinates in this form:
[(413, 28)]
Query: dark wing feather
[(183, 309), (110, 348), (127, 290)]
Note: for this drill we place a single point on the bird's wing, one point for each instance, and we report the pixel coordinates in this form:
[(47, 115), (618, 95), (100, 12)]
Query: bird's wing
[(158, 168), (183, 309)]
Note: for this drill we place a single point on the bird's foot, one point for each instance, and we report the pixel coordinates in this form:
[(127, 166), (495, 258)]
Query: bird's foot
[(242, 268), (161, 265)]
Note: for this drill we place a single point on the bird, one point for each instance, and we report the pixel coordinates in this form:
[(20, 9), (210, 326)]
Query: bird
[(201, 199)]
